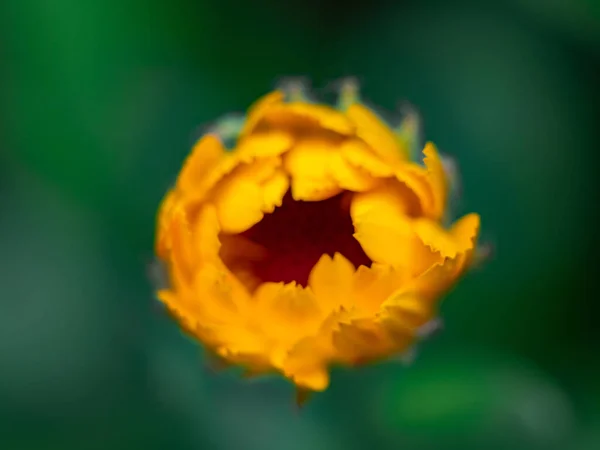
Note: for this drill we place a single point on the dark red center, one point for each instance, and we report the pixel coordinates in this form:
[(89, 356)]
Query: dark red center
[(298, 233)]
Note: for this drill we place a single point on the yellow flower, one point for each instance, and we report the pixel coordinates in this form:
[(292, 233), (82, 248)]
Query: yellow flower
[(314, 241)]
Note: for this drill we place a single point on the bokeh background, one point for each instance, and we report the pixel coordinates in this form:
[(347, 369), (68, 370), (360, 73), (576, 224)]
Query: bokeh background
[(100, 102)]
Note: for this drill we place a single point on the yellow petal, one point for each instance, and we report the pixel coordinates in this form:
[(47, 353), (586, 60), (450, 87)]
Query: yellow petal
[(238, 201), (242, 198), (388, 201), (448, 243), (316, 379), (371, 286), (220, 297), (263, 145), (248, 350), (465, 232), (289, 308), (257, 111), (437, 179), (415, 179), (443, 274), (350, 177), (246, 157), (307, 361), (300, 116), (205, 232), (404, 313), (319, 170), (385, 231), (434, 236), (428, 183), (181, 254), (361, 341), (288, 313), (331, 281), (273, 191), (358, 154), (376, 134), (180, 308), (164, 220), (308, 165), (203, 159)]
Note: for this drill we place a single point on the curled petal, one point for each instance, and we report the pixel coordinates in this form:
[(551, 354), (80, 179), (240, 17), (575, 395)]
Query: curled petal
[(307, 116), (164, 221), (181, 253), (376, 134), (263, 145), (350, 177), (429, 183), (308, 165), (320, 171), (314, 241), (205, 157), (442, 275), (371, 286), (242, 198), (385, 230), (257, 111), (205, 232), (358, 154), (436, 175)]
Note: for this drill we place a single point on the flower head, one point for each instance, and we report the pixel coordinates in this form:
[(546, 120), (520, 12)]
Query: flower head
[(315, 240)]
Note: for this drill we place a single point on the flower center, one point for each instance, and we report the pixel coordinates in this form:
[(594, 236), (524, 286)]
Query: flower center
[(286, 245)]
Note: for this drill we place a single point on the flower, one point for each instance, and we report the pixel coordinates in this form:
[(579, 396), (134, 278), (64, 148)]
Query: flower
[(314, 241)]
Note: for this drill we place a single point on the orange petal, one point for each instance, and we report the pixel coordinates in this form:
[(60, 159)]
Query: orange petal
[(219, 296), (405, 313), (437, 179), (203, 159), (315, 379), (205, 231), (181, 254), (164, 220)]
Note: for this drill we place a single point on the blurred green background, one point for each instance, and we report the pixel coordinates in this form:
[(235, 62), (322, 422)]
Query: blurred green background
[(100, 102)]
